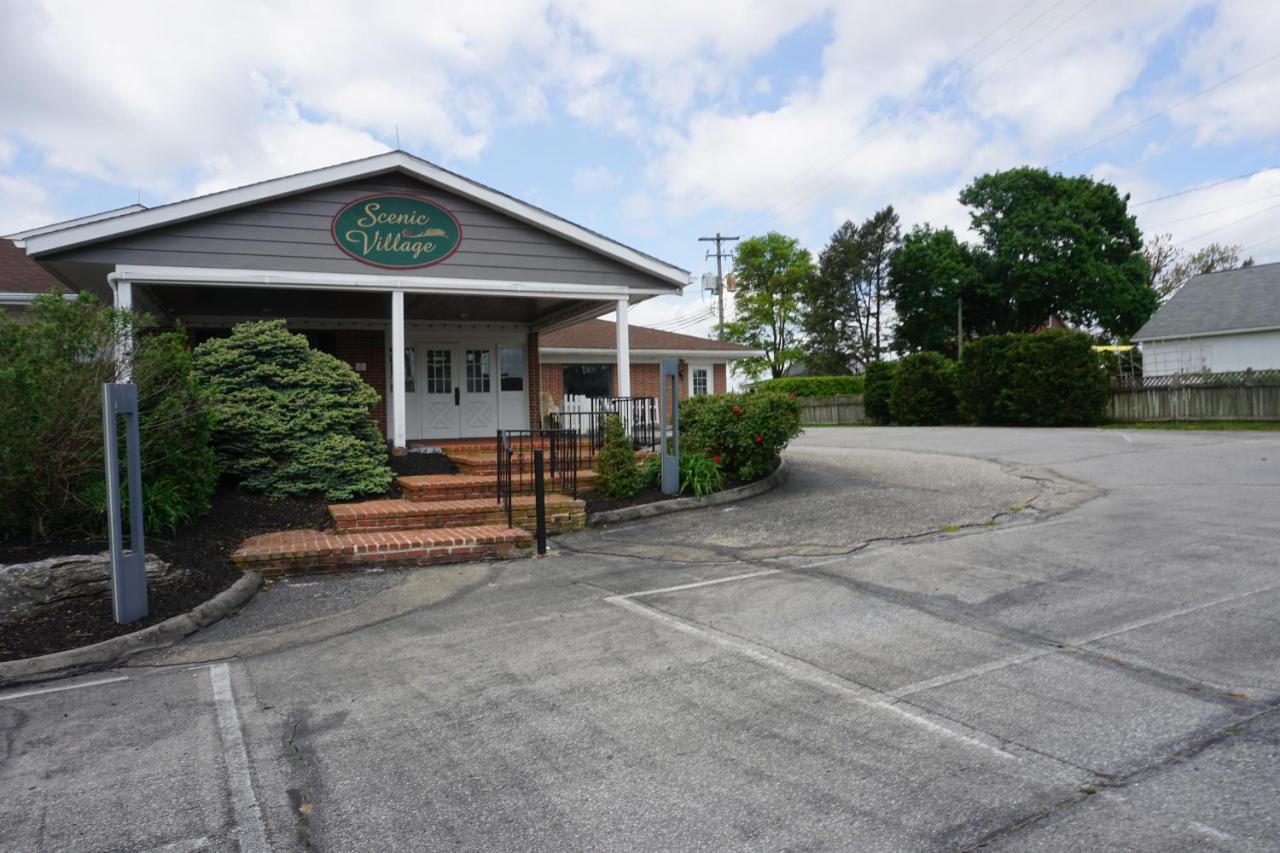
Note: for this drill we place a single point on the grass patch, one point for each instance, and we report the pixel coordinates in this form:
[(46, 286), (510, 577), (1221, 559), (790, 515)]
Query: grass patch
[(950, 528), (1265, 426)]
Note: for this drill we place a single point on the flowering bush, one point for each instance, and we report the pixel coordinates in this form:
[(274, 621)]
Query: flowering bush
[(744, 432)]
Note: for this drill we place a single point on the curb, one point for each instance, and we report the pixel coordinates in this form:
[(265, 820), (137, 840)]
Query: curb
[(632, 513), (116, 649)]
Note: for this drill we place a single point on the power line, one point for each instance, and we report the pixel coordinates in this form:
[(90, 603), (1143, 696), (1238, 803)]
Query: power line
[(1230, 224), (719, 256), (1211, 212), (932, 117), (939, 76), (1168, 109), (1202, 187)]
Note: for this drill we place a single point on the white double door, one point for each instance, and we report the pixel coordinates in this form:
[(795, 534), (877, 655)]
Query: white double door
[(458, 390)]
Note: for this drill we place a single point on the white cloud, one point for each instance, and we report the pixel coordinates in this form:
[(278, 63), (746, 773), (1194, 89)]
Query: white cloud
[(594, 178), (24, 203)]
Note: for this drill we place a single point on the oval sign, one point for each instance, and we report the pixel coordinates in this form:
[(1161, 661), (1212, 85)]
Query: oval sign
[(396, 231)]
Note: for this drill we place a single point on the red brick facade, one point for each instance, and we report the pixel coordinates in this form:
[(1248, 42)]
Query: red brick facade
[(644, 379), (367, 347), (534, 368)]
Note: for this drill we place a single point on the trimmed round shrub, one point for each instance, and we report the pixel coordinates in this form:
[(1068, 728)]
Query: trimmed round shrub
[(924, 392), (813, 386), (878, 390), (53, 363), (742, 433), (616, 462), (290, 420), (1050, 378)]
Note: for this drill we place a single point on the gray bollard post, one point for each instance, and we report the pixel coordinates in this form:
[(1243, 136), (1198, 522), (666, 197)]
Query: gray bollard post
[(669, 413), (128, 568)]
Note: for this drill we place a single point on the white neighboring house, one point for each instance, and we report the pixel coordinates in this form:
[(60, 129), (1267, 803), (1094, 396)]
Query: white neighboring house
[(1218, 323)]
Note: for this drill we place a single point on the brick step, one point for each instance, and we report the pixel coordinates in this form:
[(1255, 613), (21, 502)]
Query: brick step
[(454, 487), (308, 551), (563, 514), (487, 463)]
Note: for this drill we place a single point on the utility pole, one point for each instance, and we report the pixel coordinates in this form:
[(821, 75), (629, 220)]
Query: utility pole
[(719, 255)]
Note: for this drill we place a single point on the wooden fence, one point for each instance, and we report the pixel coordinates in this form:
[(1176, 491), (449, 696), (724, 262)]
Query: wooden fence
[(844, 409), (1199, 401)]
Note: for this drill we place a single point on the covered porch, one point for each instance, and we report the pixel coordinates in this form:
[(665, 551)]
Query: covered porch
[(469, 348)]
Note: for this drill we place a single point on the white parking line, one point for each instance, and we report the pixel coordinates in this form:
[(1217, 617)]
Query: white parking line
[(187, 845), (38, 692), (244, 803), (800, 670), (697, 584)]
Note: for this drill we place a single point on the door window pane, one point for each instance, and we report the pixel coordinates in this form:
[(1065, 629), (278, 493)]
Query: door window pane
[(439, 371), (410, 369), (699, 381), (477, 371), (511, 369)]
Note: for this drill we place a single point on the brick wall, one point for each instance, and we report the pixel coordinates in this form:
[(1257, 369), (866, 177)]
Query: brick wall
[(644, 379), (366, 346), (719, 378)]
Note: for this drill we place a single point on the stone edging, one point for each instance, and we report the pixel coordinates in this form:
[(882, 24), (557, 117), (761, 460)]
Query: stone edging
[(631, 513), (116, 649)]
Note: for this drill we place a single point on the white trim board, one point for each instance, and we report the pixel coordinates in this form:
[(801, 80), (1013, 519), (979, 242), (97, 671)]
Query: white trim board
[(586, 355), (82, 233), (289, 280), (1167, 338)]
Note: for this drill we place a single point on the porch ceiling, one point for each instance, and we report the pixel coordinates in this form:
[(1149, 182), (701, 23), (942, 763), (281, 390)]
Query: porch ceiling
[(190, 302)]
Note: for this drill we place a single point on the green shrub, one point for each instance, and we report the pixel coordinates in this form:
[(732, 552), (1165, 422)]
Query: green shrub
[(699, 474), (1050, 378), (982, 379), (52, 366), (924, 390), (813, 386), (616, 462), (650, 476), (878, 393), (290, 420), (742, 433)]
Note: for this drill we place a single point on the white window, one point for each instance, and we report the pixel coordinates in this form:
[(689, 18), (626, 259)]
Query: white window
[(511, 369), (477, 371), (699, 380), (439, 371), (410, 369)]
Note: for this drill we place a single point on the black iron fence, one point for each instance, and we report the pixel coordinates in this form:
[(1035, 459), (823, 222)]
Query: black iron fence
[(639, 418), (561, 458)]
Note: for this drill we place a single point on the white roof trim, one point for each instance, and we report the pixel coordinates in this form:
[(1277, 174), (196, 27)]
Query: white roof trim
[(1162, 338), (26, 298), (713, 355), (69, 236), (21, 236), (286, 280)]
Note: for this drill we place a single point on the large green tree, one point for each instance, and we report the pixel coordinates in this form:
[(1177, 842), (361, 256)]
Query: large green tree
[(1058, 246), (771, 271), (1048, 246), (933, 274)]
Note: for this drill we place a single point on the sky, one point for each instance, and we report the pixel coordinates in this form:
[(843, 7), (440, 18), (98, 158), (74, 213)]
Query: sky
[(662, 122)]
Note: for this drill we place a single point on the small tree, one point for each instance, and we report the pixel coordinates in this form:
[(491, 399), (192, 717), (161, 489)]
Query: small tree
[(616, 463), (52, 366), (772, 272), (290, 420)]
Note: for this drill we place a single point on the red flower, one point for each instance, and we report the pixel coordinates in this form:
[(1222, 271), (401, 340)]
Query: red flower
[(716, 459), (737, 411), (759, 438)]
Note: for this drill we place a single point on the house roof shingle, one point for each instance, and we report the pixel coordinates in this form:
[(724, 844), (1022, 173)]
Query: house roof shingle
[(601, 335), (20, 274), (1217, 302)]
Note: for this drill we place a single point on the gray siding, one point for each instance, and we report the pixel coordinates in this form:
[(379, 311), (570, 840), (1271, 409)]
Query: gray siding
[(293, 234)]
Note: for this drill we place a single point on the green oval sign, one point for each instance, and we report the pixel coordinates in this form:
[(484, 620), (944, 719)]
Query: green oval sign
[(396, 231)]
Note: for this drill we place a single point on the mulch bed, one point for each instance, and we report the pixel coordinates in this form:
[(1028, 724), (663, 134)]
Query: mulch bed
[(412, 464), (203, 548), (599, 502)]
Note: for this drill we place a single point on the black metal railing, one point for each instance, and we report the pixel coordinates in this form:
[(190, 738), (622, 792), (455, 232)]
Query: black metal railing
[(561, 458), (639, 418)]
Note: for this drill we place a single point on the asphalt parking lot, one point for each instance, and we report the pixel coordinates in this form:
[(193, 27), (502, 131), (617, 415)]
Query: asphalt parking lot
[(928, 639)]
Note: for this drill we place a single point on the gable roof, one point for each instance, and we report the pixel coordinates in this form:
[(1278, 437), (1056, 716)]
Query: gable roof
[(83, 233), (601, 335), (1219, 303), (20, 274)]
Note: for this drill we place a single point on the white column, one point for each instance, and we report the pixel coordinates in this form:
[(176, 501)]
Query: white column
[(398, 441), (624, 351), (124, 345)]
